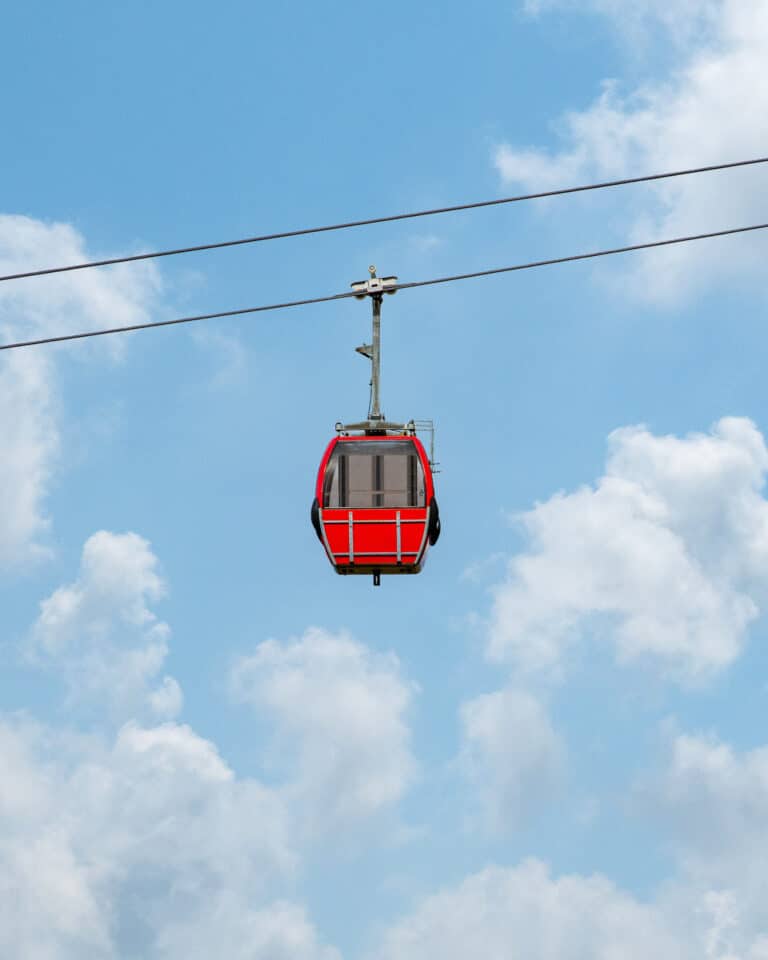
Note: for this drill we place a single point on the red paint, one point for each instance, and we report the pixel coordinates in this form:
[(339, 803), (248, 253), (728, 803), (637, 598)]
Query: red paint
[(374, 529)]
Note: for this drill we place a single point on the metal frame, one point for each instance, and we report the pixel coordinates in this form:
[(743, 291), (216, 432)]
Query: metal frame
[(387, 520), (375, 288), (398, 522), (377, 425), (428, 426), (410, 429)]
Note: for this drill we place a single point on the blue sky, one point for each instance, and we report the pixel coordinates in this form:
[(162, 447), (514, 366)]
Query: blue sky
[(552, 743)]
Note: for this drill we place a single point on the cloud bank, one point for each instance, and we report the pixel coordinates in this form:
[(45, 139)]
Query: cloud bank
[(146, 846)]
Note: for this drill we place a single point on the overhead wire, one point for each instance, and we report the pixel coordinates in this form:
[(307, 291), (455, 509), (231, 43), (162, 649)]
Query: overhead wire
[(400, 286), (390, 218), (581, 256)]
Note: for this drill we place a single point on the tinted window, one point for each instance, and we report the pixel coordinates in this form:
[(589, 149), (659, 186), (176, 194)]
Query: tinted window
[(374, 473)]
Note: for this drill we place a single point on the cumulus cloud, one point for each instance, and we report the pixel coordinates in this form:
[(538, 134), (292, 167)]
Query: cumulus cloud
[(512, 755), (280, 931), (523, 912), (100, 634), (340, 714), (30, 410), (144, 843), (706, 110), (665, 557), (714, 801), (147, 846)]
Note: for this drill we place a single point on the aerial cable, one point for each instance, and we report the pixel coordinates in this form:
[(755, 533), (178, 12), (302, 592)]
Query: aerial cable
[(400, 286), (580, 256), (306, 231)]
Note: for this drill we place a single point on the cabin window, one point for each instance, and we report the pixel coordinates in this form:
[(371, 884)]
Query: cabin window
[(373, 473)]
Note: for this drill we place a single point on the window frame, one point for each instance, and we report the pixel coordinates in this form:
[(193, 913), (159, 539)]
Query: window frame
[(336, 479)]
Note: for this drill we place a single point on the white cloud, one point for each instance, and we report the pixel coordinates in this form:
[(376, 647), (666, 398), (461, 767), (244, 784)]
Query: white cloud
[(28, 453), (29, 406), (708, 110), (685, 21), (523, 912), (666, 556), (47, 906), (281, 931), (146, 844), (714, 801), (68, 302), (100, 635), (148, 847), (511, 753), (340, 714)]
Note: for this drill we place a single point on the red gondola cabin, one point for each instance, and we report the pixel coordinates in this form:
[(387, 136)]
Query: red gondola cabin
[(375, 510)]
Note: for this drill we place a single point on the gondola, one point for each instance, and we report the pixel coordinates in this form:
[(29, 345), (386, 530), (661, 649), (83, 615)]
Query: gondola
[(375, 510)]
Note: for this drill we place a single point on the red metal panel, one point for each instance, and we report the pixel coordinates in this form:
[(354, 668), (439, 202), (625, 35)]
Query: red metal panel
[(375, 529), (321, 471), (375, 537)]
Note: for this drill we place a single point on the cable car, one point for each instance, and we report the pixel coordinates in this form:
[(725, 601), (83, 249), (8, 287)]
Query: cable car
[(375, 510)]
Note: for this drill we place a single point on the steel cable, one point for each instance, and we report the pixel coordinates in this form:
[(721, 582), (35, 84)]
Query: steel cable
[(350, 224), (401, 286)]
